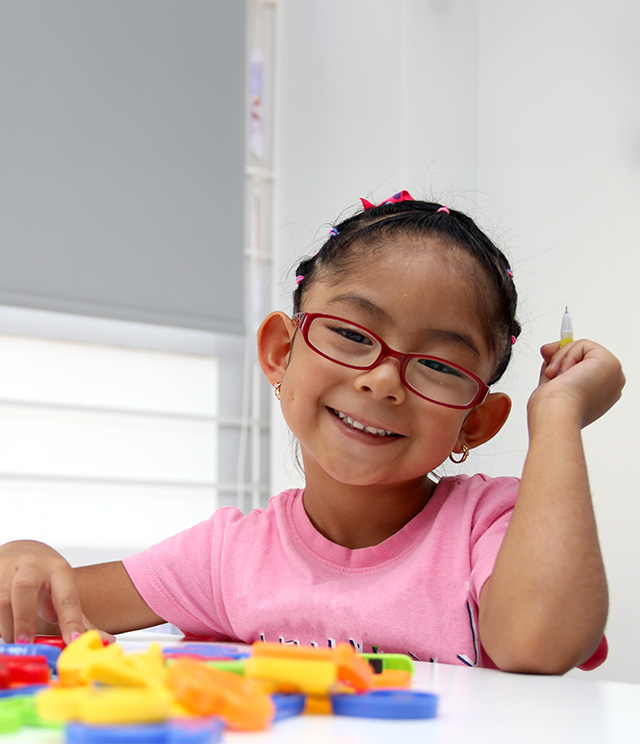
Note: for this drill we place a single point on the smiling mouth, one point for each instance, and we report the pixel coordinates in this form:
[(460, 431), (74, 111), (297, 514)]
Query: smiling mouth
[(353, 424)]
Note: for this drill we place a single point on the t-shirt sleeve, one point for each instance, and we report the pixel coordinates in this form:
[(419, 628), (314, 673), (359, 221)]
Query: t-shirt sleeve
[(493, 509), (174, 577)]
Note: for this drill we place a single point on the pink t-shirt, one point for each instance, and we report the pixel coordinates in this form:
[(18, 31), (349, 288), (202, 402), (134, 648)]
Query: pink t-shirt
[(271, 575)]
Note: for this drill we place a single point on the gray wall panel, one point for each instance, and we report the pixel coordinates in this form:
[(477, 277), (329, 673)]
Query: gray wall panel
[(121, 159)]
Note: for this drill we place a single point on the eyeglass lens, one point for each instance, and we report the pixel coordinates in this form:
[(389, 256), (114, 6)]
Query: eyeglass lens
[(347, 344)]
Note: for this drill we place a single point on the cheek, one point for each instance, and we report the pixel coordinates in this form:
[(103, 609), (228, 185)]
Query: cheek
[(306, 386), (447, 424), (300, 413)]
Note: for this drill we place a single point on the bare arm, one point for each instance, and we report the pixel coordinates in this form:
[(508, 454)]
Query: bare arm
[(110, 600), (40, 591), (545, 606)]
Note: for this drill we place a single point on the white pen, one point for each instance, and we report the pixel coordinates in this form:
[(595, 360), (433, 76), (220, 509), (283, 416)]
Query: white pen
[(566, 329)]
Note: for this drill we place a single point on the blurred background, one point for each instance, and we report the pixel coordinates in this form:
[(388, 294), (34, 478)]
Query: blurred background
[(164, 165)]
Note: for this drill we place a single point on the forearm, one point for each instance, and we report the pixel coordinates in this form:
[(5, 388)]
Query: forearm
[(545, 605), (110, 600)]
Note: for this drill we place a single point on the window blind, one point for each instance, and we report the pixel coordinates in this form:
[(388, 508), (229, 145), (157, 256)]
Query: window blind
[(104, 448), (121, 159)]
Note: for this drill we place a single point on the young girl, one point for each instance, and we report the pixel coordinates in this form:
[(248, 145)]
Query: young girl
[(401, 323)]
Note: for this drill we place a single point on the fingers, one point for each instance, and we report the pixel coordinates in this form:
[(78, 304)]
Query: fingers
[(18, 603), (36, 582), (6, 615), (583, 374), (558, 359), (24, 602), (66, 602)]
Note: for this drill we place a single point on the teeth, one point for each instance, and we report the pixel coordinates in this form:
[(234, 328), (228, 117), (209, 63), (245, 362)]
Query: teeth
[(361, 427)]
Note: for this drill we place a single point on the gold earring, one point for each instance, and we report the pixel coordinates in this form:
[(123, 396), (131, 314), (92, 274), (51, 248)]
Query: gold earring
[(276, 389), (463, 457)]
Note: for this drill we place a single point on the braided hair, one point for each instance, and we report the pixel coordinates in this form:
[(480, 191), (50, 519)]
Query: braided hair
[(414, 220)]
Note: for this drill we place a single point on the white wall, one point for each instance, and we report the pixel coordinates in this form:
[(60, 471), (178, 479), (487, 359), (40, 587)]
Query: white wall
[(365, 107), (558, 162), (525, 115)]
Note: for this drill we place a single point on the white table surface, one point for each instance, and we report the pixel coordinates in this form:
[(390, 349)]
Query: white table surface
[(475, 705)]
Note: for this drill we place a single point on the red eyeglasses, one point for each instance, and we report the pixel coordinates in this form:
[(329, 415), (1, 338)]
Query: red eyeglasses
[(352, 345)]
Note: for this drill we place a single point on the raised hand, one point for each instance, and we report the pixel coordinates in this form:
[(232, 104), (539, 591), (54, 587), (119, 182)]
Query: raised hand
[(581, 374)]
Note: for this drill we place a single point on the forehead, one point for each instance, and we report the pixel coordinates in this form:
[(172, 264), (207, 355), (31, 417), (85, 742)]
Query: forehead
[(406, 269)]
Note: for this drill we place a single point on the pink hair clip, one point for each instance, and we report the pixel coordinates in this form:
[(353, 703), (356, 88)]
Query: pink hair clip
[(299, 278), (401, 196), (513, 340), (443, 209)]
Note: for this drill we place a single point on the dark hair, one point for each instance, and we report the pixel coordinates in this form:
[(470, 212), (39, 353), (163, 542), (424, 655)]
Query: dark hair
[(414, 220)]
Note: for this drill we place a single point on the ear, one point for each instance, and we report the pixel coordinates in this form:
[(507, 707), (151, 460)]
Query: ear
[(274, 345), (485, 421)]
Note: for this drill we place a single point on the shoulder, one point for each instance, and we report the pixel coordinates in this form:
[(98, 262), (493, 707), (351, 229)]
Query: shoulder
[(229, 521), (227, 529), (479, 497), (479, 488), (262, 518), (282, 503)]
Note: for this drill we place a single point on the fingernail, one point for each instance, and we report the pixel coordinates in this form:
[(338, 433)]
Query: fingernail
[(22, 639), (73, 637)]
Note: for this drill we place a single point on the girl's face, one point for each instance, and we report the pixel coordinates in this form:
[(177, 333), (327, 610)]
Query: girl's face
[(417, 300)]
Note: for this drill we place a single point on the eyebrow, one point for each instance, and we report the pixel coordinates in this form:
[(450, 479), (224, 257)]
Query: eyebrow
[(362, 303), (455, 337)]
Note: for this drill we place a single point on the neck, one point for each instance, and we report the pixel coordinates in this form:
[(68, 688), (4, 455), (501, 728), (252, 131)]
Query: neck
[(362, 516)]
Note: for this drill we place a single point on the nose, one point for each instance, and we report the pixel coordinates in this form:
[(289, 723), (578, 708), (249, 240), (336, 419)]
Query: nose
[(383, 381)]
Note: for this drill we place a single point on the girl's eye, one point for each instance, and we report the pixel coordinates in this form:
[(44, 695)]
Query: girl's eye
[(441, 367), (352, 334)]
